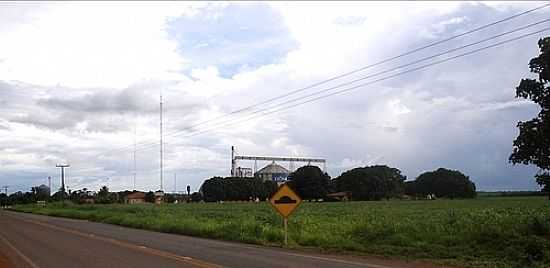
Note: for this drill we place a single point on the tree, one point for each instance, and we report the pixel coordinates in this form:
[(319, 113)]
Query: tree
[(532, 146), (105, 197), (270, 188), (21, 198), (310, 182), (41, 192), (169, 198), (196, 197), (213, 189), (57, 195), (236, 189), (445, 183), (411, 189), (3, 200), (150, 197), (372, 183), (80, 196)]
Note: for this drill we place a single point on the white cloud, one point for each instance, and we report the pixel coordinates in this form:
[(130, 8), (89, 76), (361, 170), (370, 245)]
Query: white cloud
[(91, 45), (459, 115)]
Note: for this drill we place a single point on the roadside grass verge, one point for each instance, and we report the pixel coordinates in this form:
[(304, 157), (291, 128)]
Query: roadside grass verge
[(484, 232)]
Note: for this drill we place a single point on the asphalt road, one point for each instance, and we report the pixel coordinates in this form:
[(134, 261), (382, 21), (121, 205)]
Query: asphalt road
[(33, 241)]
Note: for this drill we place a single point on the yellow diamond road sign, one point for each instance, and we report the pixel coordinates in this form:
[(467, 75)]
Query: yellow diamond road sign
[(285, 201)]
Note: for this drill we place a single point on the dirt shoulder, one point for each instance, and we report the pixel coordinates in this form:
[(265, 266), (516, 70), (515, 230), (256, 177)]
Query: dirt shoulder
[(4, 261)]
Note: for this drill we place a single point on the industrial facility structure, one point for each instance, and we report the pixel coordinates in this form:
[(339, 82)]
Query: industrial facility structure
[(273, 171)]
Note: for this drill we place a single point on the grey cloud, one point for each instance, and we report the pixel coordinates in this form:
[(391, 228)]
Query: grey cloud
[(350, 20), (96, 110), (463, 115), (390, 129), (471, 129), (130, 100), (47, 120), (103, 102), (4, 126)]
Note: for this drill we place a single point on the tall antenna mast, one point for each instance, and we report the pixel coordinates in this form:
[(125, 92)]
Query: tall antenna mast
[(232, 161), (161, 142), (135, 149)]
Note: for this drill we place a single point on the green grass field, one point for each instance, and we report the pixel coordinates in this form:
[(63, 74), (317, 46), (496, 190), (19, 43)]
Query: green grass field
[(485, 232)]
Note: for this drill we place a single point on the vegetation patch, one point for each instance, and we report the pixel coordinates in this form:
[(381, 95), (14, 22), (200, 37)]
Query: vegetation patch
[(482, 232)]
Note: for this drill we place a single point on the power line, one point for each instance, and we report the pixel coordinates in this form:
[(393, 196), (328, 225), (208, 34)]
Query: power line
[(290, 105), (379, 63), (145, 146), (232, 122), (358, 70), (264, 113), (375, 81)]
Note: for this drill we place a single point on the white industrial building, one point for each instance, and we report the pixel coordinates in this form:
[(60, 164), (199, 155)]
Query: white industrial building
[(273, 171)]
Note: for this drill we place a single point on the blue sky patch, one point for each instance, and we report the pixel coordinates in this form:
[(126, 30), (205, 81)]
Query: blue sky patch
[(233, 38)]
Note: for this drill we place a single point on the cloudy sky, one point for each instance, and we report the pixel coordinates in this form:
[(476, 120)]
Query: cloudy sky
[(80, 82)]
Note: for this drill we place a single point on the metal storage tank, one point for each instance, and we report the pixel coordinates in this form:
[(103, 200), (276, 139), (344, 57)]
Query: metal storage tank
[(273, 172)]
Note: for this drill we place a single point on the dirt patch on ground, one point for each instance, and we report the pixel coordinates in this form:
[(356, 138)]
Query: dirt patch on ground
[(4, 262)]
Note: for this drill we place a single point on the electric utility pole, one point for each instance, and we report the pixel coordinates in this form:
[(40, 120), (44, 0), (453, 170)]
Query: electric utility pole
[(62, 166), (5, 189)]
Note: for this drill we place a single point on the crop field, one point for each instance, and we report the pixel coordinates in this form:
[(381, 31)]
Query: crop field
[(484, 232)]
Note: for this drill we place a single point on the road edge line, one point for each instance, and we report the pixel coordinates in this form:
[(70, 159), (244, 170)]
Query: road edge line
[(128, 245), (18, 252)]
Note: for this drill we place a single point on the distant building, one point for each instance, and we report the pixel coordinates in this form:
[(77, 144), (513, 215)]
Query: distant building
[(273, 172), (89, 200), (341, 196), (242, 172), (135, 198)]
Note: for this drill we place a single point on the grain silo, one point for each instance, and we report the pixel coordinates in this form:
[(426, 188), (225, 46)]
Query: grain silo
[(273, 172)]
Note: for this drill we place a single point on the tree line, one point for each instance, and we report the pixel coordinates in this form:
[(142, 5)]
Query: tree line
[(531, 147), (237, 189), (363, 183), (83, 196), (310, 182)]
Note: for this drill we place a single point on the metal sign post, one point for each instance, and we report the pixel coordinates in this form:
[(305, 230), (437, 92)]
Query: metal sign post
[(285, 223), (285, 201)]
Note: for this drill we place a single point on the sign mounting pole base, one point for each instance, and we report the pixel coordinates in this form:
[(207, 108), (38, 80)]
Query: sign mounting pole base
[(285, 223)]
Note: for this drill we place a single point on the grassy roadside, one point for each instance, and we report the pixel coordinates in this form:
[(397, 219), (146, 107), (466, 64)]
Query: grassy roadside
[(486, 232)]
